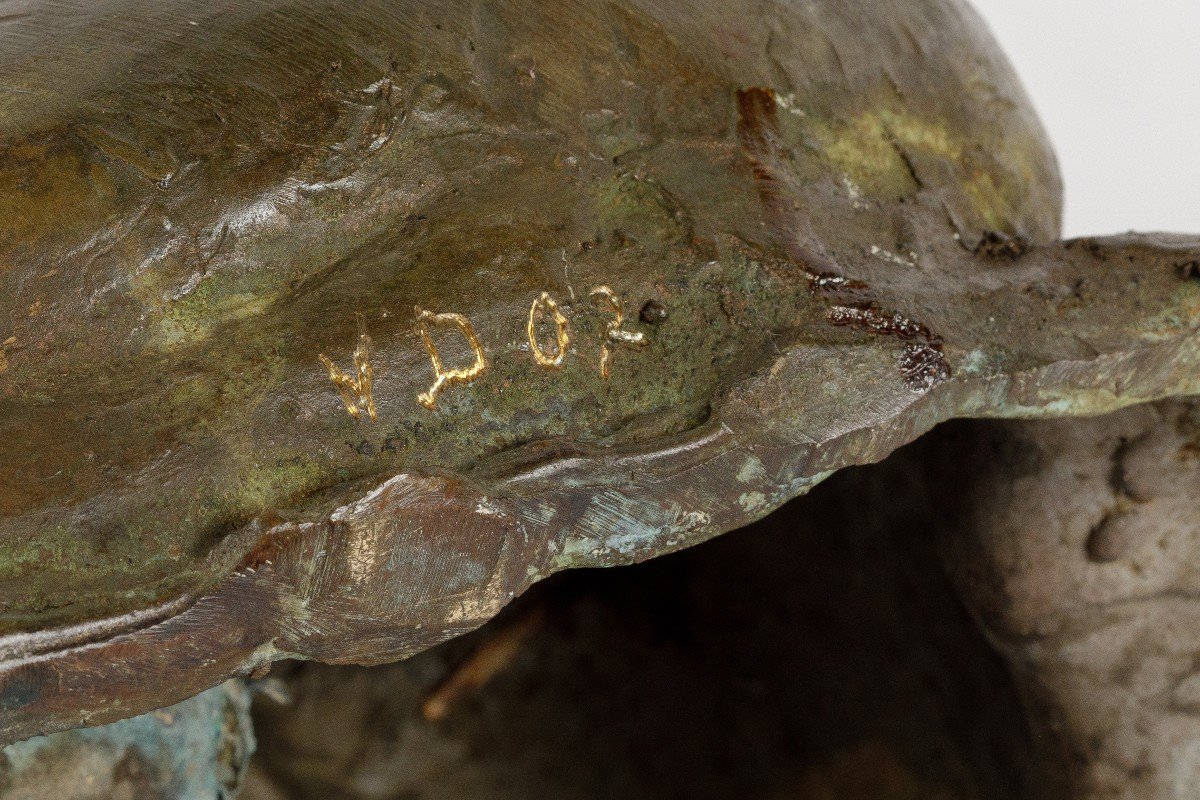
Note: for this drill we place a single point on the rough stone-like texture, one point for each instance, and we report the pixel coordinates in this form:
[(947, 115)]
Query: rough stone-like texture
[(196, 750), (847, 211), (1078, 547)]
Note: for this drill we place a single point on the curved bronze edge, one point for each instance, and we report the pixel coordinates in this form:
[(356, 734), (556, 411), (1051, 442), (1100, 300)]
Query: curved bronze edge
[(421, 559), (26, 645)]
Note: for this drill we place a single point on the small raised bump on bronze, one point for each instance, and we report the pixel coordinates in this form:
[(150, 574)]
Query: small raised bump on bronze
[(447, 377), (653, 313), (613, 333), (356, 392), (562, 332)]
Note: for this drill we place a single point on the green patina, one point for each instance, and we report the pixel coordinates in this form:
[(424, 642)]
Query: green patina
[(181, 244)]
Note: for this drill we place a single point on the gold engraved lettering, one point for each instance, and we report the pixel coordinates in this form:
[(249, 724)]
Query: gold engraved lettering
[(355, 391), (446, 377), (562, 333), (614, 335)]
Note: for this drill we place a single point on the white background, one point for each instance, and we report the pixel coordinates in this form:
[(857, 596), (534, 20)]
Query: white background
[(1117, 84)]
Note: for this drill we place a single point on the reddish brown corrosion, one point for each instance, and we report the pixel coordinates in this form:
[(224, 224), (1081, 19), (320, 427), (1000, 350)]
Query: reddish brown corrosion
[(880, 321), (922, 361), (923, 364), (758, 132), (454, 185)]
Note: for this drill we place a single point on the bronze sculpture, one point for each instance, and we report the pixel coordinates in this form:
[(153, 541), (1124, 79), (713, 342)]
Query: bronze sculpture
[(847, 215)]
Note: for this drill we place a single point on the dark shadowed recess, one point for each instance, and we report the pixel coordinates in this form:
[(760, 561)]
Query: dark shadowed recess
[(818, 654)]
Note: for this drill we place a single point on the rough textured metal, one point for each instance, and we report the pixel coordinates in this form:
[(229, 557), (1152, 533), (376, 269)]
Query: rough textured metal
[(818, 654), (196, 750), (846, 213)]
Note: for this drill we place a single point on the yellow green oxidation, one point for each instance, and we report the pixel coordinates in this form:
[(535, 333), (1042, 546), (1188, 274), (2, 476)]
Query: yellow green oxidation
[(275, 482), (1183, 311), (215, 302), (50, 178), (862, 149), (885, 151), (638, 208), (168, 388), (53, 545)]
